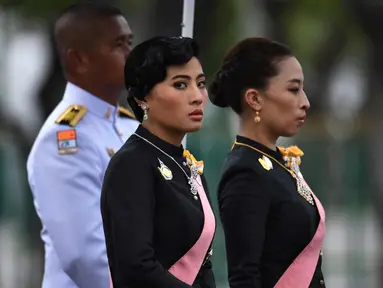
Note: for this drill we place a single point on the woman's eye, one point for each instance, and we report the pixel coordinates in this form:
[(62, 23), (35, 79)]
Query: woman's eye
[(294, 90), (179, 85), (202, 84)]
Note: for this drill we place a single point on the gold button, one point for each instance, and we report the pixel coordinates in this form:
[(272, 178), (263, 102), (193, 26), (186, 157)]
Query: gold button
[(321, 282), (120, 132), (107, 114)]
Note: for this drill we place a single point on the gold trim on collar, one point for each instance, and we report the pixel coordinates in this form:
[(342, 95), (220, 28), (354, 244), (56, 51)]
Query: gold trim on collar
[(302, 187), (265, 154)]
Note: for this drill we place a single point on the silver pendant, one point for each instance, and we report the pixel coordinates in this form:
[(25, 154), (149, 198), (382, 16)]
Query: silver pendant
[(195, 174), (194, 171), (193, 188)]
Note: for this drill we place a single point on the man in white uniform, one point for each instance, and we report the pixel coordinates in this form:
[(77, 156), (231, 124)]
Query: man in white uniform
[(67, 163)]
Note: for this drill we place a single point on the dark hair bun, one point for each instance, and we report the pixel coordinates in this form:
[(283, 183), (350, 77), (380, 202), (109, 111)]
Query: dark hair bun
[(248, 64), (221, 87)]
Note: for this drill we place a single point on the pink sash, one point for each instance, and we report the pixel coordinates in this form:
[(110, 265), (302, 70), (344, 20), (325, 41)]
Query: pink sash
[(301, 271), (186, 269)]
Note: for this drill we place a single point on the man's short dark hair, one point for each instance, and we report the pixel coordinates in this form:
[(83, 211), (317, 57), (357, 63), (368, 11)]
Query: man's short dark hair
[(73, 25), (90, 9)]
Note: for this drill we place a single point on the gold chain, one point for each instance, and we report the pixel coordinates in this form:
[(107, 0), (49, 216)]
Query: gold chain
[(302, 188), (279, 163)]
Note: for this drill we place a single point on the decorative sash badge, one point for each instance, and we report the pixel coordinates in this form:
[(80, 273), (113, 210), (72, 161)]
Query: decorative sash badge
[(191, 160), (292, 157), (194, 165)]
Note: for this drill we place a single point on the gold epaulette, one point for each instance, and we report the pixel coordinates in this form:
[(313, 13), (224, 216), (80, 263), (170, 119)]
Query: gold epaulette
[(125, 113), (72, 115)]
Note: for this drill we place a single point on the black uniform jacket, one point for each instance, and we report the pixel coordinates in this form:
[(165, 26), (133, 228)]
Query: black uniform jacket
[(266, 222), (150, 222)]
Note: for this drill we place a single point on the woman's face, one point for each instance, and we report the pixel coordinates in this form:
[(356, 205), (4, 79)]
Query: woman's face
[(284, 104), (178, 102)]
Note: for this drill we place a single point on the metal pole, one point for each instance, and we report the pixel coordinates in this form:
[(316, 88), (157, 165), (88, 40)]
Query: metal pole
[(187, 28), (188, 18)]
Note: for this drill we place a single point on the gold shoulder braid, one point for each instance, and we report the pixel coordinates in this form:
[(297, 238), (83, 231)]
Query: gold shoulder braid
[(125, 113), (292, 157), (72, 115)]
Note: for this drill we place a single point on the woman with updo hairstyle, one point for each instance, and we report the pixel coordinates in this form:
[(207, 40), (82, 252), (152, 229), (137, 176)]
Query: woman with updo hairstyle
[(158, 221), (273, 223)]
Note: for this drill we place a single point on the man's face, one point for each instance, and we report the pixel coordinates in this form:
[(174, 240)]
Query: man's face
[(108, 55)]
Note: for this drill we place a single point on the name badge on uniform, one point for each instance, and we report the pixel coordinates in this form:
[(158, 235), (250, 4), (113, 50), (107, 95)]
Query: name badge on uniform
[(67, 141)]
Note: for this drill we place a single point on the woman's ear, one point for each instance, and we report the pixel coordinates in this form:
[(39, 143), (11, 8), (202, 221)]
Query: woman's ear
[(142, 103), (254, 99), (138, 101)]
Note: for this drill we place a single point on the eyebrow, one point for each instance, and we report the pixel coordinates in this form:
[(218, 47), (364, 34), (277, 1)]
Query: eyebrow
[(295, 80), (124, 37), (187, 77)]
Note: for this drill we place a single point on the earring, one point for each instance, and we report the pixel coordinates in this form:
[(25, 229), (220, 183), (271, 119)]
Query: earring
[(145, 114), (257, 118), (144, 108)]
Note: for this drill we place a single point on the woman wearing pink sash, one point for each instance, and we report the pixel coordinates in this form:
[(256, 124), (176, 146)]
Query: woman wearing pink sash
[(273, 223), (158, 222)]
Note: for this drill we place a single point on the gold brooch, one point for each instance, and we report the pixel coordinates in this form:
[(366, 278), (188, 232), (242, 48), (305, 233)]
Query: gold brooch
[(165, 171), (266, 163)]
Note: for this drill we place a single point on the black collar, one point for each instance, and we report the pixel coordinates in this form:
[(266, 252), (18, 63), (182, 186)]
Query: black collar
[(275, 154), (172, 150)]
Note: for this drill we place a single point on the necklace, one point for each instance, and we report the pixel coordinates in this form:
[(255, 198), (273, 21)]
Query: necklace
[(302, 187), (193, 170)]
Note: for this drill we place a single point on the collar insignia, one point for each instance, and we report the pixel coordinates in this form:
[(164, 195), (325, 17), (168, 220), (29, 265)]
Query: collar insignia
[(266, 163)]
